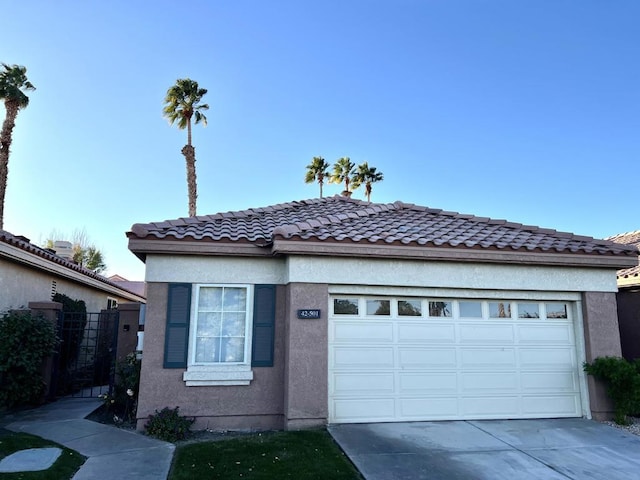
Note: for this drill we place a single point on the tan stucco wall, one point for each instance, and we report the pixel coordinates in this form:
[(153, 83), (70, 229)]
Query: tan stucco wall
[(20, 285), (256, 406), (602, 338), (306, 378)]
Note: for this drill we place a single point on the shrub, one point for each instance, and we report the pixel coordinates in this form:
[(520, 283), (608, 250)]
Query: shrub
[(169, 425), (123, 402), (25, 342), (623, 384)]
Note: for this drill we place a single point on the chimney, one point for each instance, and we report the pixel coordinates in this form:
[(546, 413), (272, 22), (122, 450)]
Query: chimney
[(63, 249)]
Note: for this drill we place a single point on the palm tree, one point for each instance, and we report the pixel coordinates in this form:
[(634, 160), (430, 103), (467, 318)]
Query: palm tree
[(318, 169), (13, 80), (368, 176), (343, 171), (181, 104)]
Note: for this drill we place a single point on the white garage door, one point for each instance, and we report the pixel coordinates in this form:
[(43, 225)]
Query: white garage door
[(394, 359)]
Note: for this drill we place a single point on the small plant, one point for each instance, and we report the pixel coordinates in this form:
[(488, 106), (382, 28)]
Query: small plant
[(168, 425), (122, 403), (623, 384), (25, 342)]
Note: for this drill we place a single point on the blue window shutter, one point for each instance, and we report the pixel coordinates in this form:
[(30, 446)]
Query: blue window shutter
[(176, 337), (264, 317)]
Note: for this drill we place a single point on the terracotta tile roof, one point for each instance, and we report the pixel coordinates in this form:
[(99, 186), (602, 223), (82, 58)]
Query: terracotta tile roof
[(340, 219), (629, 238), (24, 243)]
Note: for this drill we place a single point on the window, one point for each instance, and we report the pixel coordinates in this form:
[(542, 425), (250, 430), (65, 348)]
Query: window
[(345, 306), (410, 308), (112, 303), (378, 307), (499, 310), (528, 310), (470, 309), (557, 310), (440, 309), (221, 324)]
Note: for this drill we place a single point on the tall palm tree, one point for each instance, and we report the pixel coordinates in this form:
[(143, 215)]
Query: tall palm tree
[(182, 103), (368, 176), (318, 169), (343, 171), (13, 82)]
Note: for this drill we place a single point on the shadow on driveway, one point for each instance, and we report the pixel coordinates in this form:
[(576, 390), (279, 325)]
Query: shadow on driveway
[(491, 449)]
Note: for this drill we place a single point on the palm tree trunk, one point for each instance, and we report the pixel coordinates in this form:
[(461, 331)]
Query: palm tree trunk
[(190, 157), (320, 181), (189, 132), (368, 191), (5, 144)]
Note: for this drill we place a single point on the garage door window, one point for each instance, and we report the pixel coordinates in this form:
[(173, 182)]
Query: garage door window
[(499, 310), (440, 309), (378, 307), (556, 310), (528, 310), (410, 308), (345, 306), (470, 309)]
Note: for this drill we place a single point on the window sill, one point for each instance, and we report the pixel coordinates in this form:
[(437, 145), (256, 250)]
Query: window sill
[(205, 376)]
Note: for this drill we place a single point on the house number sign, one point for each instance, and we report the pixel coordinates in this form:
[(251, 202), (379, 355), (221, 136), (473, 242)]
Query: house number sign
[(309, 314)]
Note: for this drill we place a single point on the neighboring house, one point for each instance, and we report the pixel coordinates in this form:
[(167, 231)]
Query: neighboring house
[(29, 273), (336, 310), (629, 300)]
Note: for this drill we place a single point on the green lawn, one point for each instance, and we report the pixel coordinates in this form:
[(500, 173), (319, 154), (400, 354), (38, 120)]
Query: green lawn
[(64, 468), (304, 455)]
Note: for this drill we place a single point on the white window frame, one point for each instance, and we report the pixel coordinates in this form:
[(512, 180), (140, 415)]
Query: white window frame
[(212, 374)]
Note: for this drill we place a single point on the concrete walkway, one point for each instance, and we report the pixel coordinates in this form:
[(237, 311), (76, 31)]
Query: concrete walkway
[(111, 452), (560, 449)]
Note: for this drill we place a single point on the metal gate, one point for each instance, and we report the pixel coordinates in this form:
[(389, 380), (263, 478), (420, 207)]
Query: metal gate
[(85, 364)]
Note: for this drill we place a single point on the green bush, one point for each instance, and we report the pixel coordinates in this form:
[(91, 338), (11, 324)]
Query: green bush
[(168, 425), (623, 384), (123, 401), (25, 342)]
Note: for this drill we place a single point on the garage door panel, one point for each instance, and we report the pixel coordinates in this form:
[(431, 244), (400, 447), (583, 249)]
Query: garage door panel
[(428, 383), (549, 381), (487, 358), (486, 382), (427, 357), (426, 333), (555, 405), (354, 410), (363, 383), (436, 408), (357, 332), (363, 357), (546, 334), (490, 406), (541, 358), (478, 334)]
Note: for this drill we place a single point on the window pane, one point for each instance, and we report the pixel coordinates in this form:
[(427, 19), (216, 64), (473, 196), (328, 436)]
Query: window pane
[(410, 308), (345, 306), (210, 298), (440, 309), (232, 350), (499, 310), (557, 310), (207, 349), (528, 310), (233, 324), (235, 299), (209, 324), (470, 309), (378, 307)]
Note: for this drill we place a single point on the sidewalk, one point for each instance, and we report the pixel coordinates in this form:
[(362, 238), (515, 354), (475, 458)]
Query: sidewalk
[(111, 452)]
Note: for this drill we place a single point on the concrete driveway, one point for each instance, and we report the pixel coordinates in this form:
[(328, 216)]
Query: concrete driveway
[(491, 449)]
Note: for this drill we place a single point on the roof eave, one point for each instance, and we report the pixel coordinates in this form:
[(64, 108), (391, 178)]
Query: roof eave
[(285, 247), (142, 247)]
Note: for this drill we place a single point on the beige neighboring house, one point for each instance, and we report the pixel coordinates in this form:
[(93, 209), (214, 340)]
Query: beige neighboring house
[(336, 310), (629, 299), (29, 273)]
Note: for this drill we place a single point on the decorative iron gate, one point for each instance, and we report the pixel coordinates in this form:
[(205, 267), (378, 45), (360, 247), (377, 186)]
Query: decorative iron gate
[(85, 364)]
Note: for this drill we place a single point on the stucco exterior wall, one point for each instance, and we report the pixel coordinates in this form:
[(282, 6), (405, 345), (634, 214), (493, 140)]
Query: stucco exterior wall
[(20, 285), (602, 338), (256, 406), (306, 359)]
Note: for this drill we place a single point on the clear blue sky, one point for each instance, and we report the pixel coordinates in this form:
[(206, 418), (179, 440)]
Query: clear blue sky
[(524, 110)]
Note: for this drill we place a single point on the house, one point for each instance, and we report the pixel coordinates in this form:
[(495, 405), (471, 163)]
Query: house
[(336, 310), (29, 273), (629, 299)]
